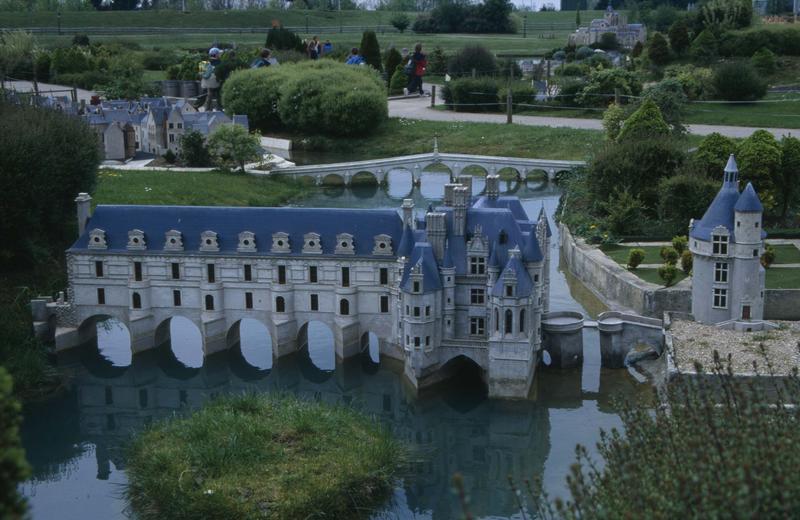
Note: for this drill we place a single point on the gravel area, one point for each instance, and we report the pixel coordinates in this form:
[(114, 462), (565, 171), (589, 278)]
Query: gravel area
[(694, 341)]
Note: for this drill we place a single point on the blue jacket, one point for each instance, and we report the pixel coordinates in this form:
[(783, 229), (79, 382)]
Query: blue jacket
[(355, 60)]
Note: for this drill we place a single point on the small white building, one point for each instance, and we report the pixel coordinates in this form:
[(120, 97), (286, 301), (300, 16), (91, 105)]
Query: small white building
[(727, 243)]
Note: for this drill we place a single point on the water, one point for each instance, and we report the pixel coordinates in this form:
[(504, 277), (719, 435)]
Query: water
[(76, 441)]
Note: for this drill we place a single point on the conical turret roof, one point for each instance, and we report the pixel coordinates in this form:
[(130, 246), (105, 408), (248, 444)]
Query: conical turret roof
[(748, 201)]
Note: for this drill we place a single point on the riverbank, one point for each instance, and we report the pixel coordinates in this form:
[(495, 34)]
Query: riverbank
[(263, 457)]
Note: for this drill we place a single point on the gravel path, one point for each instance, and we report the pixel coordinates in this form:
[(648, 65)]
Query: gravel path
[(694, 341)]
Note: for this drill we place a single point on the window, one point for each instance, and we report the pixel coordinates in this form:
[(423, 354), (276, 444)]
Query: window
[(211, 272), (171, 138), (416, 287), (312, 274), (721, 272), (719, 244), (496, 321), (503, 237), (101, 296), (384, 304), (756, 224), (416, 341), (755, 253), (477, 326), (344, 307), (427, 310), (720, 298), (509, 328), (137, 271), (98, 269), (176, 298), (176, 271), (345, 277), (171, 126), (384, 276), (509, 290), (248, 300), (280, 304), (477, 296), (314, 302), (522, 320), (536, 278), (180, 126), (427, 341), (282, 274), (416, 312), (407, 310), (209, 302), (248, 272), (137, 300), (477, 265)]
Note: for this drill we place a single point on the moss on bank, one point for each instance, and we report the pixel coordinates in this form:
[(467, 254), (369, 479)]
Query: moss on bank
[(260, 456)]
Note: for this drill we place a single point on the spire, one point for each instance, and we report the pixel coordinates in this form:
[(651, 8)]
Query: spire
[(406, 242), (532, 252), (543, 218), (748, 201), (447, 259), (731, 170)]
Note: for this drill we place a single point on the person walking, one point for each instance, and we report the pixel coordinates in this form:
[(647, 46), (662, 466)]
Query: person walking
[(208, 79), (355, 58), (313, 48), (263, 59), (418, 63)]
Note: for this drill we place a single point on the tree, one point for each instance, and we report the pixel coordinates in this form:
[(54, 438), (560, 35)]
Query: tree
[(668, 272), (370, 50), (13, 466), (126, 80), (764, 61), (495, 16), (578, 17), (645, 123), (613, 119), (282, 39), (759, 160), (738, 82), (400, 21), (711, 156), (683, 197), (679, 37), (608, 41), (635, 258), (658, 50), (472, 57), (637, 50), (194, 151), (48, 158), (789, 194), (15, 48), (233, 144), (668, 95), (604, 84), (704, 48), (393, 59)]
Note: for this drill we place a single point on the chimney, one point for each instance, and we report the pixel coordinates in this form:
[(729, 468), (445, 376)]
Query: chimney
[(492, 186), (436, 230), (84, 205), (408, 213), (466, 180), (448, 193), (460, 203)]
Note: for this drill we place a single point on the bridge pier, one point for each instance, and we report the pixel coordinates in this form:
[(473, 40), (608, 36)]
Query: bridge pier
[(562, 338)]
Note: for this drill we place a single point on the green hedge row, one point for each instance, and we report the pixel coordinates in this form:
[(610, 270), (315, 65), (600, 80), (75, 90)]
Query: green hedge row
[(485, 95), (318, 97), (781, 41)]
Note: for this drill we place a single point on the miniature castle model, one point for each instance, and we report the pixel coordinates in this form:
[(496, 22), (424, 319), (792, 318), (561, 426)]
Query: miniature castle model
[(469, 280), (727, 243), (612, 22)]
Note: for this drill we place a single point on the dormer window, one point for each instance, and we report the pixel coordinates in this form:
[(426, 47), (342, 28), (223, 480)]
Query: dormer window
[(503, 238), (383, 245), (97, 239), (344, 244), (174, 240), (208, 241), (247, 242), (280, 242), (477, 265), (417, 286), (509, 290), (136, 240), (719, 244), (312, 243)]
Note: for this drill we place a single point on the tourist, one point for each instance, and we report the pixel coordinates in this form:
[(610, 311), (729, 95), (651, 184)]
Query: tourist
[(313, 48), (355, 58), (327, 47), (418, 62), (208, 79), (263, 60)]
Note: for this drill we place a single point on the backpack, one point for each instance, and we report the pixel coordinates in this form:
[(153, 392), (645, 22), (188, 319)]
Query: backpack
[(409, 68)]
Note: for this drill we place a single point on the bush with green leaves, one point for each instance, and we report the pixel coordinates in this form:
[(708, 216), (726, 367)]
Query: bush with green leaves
[(789, 195), (13, 466), (608, 42), (678, 34), (759, 159), (738, 81), (645, 123), (170, 157), (668, 273), (669, 97), (670, 255), (712, 155), (521, 93), (392, 61), (602, 84), (635, 258), (37, 216), (370, 50), (281, 39), (472, 57), (583, 52), (437, 61), (471, 95), (623, 213), (232, 145), (613, 119), (400, 21), (764, 61), (658, 50), (256, 93), (684, 196), (687, 262), (704, 47), (768, 256), (680, 243), (697, 82), (125, 80), (398, 82), (194, 151)]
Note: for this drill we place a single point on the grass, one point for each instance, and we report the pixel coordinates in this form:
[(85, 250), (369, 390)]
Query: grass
[(786, 254), (652, 254), (778, 278), (408, 136), (651, 275), (192, 188), (263, 457)]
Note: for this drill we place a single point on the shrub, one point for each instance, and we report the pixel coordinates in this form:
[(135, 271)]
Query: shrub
[(687, 262), (521, 93), (668, 273), (624, 213), (471, 95), (768, 257), (80, 40), (256, 92), (764, 61), (569, 91), (400, 21), (158, 60), (682, 197), (645, 123), (680, 243), (393, 60), (679, 37), (635, 258), (704, 47), (790, 165), (371, 50), (125, 80), (170, 157), (738, 82), (233, 145), (669, 255), (282, 39), (584, 52), (71, 60), (608, 42), (637, 50), (658, 50), (696, 81), (759, 159), (42, 66), (599, 91), (509, 68), (472, 57), (712, 155), (572, 69), (194, 151), (613, 118), (671, 101), (38, 212), (398, 82), (437, 61), (12, 456)]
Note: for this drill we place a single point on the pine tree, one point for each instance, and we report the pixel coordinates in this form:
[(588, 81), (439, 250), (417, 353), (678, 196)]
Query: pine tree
[(393, 59), (679, 37), (578, 17), (646, 123), (13, 466), (658, 50), (371, 51)]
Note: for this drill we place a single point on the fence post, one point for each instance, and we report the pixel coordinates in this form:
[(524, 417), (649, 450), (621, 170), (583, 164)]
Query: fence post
[(525, 26), (616, 95), (74, 94), (509, 115), (306, 24), (433, 96), (474, 72)]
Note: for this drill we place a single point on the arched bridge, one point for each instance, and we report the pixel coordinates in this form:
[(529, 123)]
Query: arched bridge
[(456, 164)]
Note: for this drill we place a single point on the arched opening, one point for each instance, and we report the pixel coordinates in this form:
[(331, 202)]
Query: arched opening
[(522, 320), (535, 177), (464, 383), (136, 300), (254, 341), (561, 174), (400, 183), (370, 346), (496, 320), (507, 173), (509, 322), (434, 177), (111, 337), (316, 338), (183, 339), (306, 180), (209, 302), (364, 178), (333, 179), (344, 307), (280, 304)]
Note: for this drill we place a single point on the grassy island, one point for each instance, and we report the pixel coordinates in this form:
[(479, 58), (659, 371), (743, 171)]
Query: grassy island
[(260, 456)]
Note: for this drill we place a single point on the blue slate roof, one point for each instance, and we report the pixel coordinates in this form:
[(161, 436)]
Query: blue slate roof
[(719, 213), (523, 285), (532, 252), (406, 243), (748, 201), (228, 222), (423, 257), (447, 258)]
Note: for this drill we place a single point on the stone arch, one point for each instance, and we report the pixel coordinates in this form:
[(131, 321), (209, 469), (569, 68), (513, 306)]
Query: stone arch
[(254, 341), (399, 182), (371, 346), (184, 338), (308, 179), (209, 302), (464, 370), (508, 173), (365, 177), (536, 175), (111, 337), (559, 175), (477, 170), (318, 340), (333, 179)]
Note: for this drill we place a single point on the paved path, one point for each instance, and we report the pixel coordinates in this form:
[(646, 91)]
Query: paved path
[(419, 108)]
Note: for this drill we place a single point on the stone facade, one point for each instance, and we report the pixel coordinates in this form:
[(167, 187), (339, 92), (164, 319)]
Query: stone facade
[(612, 22), (468, 280)]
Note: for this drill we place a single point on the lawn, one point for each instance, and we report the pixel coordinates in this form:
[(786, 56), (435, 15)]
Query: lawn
[(652, 254), (651, 275), (192, 188), (778, 278), (786, 254)]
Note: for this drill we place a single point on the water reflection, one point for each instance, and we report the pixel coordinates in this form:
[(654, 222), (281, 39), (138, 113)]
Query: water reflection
[(255, 343), (114, 341)]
